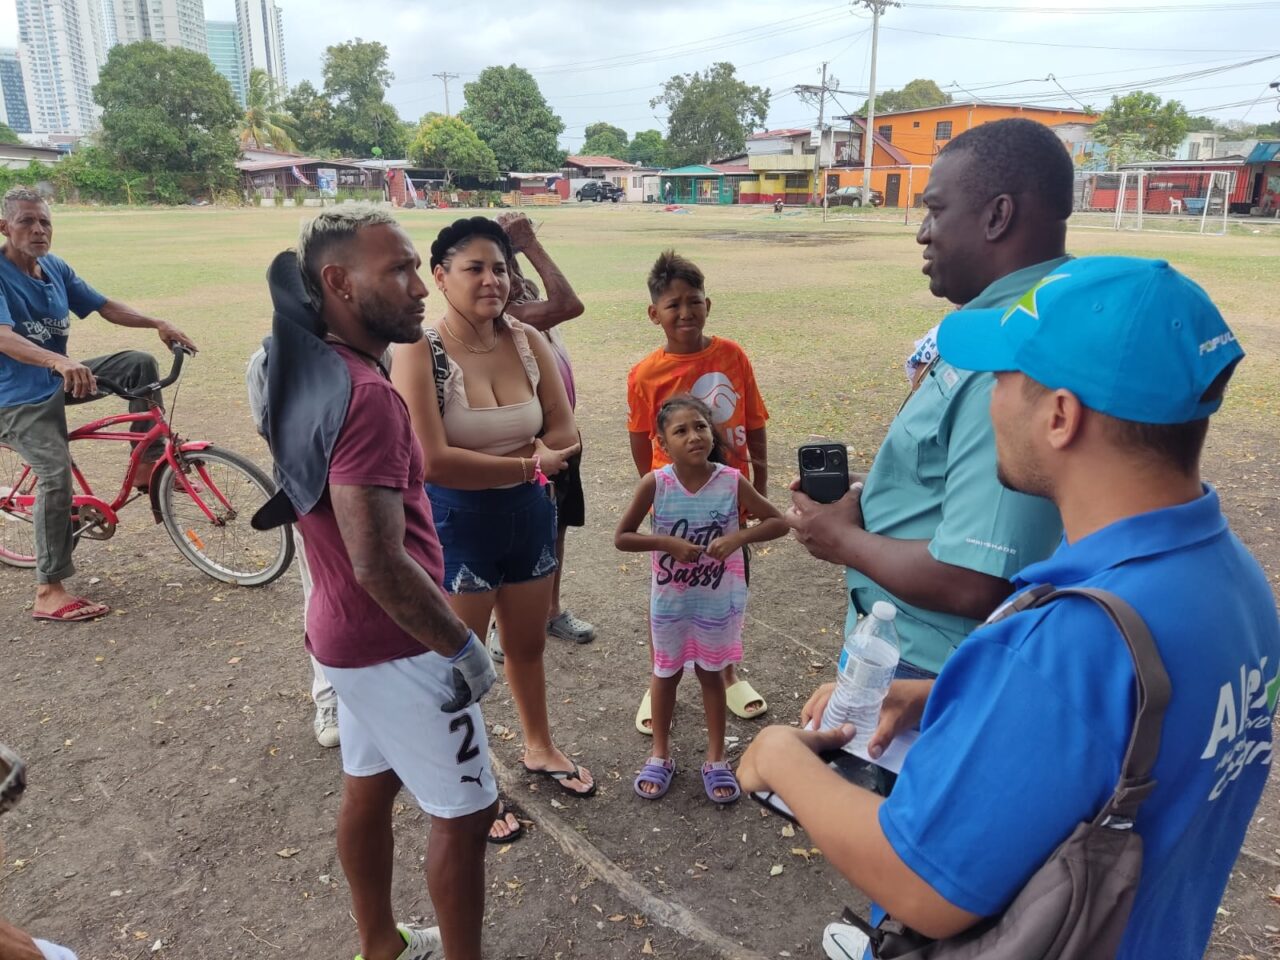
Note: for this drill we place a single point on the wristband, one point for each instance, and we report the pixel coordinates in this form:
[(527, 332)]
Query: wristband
[(538, 474), (471, 637)]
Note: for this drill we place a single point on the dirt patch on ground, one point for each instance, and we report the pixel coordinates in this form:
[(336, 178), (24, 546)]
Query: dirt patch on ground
[(177, 794)]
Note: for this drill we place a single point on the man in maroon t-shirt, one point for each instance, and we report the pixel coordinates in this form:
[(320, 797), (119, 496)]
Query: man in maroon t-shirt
[(407, 671)]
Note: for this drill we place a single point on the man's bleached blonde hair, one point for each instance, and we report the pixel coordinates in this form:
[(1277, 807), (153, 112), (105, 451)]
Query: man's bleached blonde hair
[(328, 234)]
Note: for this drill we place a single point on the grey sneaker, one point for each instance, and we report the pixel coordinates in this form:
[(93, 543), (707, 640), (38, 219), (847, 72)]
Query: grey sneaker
[(494, 643), (325, 726), (421, 943)]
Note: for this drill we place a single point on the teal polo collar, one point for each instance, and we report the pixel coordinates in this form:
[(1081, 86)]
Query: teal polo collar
[(1143, 535), (1002, 292)]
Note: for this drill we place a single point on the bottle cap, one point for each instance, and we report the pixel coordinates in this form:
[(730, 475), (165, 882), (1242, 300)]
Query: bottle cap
[(884, 610)]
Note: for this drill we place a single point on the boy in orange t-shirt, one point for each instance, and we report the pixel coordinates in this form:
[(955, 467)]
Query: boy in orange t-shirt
[(718, 373)]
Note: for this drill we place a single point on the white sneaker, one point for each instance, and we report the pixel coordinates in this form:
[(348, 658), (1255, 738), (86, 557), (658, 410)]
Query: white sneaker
[(840, 941), (325, 726), (421, 943)]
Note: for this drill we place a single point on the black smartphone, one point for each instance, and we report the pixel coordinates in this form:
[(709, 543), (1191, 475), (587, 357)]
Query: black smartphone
[(824, 471)]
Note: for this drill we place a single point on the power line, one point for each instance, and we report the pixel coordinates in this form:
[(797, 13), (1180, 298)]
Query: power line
[(1079, 46), (1221, 6)]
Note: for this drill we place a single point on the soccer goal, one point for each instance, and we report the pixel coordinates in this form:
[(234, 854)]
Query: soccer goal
[(1162, 200)]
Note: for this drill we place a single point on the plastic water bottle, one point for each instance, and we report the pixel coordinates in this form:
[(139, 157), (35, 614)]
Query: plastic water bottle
[(867, 664)]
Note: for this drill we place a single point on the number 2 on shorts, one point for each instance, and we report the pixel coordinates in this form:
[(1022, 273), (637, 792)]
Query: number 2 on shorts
[(468, 751)]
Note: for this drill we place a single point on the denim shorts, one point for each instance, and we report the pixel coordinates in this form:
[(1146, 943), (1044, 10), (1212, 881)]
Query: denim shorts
[(494, 537)]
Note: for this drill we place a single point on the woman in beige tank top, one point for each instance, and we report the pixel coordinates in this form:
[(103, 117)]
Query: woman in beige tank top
[(493, 424)]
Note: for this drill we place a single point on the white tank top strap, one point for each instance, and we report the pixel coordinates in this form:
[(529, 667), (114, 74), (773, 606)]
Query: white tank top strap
[(520, 337)]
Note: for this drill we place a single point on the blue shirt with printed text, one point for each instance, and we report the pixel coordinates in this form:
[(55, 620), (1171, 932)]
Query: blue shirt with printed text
[(40, 311), (1026, 728)]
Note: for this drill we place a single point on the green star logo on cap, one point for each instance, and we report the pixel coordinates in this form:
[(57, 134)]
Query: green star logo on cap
[(1273, 693), (1027, 302)]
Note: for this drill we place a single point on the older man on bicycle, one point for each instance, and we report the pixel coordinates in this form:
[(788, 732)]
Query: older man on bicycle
[(37, 379)]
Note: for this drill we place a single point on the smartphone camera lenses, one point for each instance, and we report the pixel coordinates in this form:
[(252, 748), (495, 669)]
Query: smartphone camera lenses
[(812, 459)]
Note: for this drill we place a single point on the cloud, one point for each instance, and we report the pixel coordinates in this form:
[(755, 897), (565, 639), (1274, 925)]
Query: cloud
[(605, 62)]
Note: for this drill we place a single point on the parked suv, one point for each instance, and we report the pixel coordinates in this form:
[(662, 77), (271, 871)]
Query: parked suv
[(599, 191)]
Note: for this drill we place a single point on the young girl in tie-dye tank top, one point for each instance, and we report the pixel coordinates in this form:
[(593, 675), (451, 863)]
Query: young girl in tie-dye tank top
[(699, 592)]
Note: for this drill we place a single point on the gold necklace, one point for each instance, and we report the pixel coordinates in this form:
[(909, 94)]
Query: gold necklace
[(466, 346)]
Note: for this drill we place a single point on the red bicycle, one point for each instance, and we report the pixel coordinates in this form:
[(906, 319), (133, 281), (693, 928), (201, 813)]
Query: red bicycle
[(204, 496)]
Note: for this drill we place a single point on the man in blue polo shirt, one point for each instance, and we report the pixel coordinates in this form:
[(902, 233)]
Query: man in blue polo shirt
[(932, 531), (1107, 373), (38, 291)]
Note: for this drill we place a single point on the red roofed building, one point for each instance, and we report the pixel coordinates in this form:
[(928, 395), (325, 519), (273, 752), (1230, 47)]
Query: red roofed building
[(586, 166)]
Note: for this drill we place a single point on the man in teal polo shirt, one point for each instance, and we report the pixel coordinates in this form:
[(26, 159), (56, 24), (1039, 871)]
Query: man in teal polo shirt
[(1107, 373), (931, 529)]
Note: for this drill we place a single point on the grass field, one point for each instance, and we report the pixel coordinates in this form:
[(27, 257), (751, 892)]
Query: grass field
[(171, 754), (825, 311)]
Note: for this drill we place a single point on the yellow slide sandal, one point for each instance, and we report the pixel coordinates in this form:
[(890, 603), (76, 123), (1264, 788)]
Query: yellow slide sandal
[(738, 696), (645, 715)]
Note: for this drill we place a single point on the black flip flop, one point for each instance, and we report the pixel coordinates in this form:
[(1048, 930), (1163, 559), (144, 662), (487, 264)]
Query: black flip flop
[(560, 776), (505, 808)]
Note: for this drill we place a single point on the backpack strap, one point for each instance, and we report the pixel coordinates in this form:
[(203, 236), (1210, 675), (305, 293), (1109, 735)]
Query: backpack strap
[(1153, 689), (439, 364)]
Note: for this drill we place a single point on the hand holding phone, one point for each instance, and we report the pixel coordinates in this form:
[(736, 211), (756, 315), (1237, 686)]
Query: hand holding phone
[(824, 471)]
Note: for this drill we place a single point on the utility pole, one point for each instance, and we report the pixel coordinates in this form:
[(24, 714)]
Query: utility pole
[(877, 7), (822, 134), (445, 76), (806, 91)]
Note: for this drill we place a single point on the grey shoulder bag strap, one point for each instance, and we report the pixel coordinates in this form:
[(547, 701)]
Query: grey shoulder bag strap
[(1077, 905)]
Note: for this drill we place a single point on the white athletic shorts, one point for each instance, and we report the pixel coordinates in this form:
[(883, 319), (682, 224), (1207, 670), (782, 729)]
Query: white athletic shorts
[(390, 719)]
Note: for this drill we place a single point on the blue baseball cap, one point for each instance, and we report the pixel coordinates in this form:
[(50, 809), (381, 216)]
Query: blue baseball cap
[(1131, 338)]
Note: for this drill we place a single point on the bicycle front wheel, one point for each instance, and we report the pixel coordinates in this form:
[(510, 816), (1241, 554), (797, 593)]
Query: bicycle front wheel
[(17, 534), (210, 522)]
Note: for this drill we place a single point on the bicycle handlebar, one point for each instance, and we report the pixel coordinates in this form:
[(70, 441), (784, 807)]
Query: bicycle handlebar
[(179, 354)]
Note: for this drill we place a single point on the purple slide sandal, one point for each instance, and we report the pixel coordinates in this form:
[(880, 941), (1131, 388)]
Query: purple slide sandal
[(657, 772)]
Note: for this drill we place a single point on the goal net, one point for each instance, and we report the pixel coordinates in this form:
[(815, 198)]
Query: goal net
[(1170, 200)]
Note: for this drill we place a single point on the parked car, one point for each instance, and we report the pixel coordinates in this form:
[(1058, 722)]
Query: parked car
[(852, 197), (599, 191)]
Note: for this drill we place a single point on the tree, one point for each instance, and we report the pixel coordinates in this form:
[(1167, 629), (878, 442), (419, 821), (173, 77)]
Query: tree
[(508, 112), (7, 134), (1139, 125), (916, 94), (355, 83), (1201, 124), (648, 149), (166, 111), (1267, 131), (710, 114), (448, 144), (310, 118), (604, 140), (265, 122)]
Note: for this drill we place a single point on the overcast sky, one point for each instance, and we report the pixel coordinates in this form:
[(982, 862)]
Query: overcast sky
[(607, 64)]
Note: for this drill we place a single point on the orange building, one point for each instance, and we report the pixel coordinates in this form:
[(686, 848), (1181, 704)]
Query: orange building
[(918, 136)]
